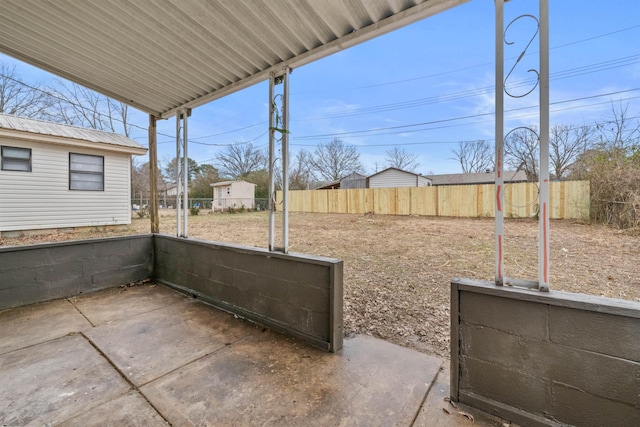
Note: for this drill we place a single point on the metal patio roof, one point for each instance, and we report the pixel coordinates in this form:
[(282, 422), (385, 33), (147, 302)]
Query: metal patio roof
[(163, 55)]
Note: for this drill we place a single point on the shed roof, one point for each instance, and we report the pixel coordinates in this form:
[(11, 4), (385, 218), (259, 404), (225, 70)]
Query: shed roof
[(223, 183), (476, 178), (43, 131), (396, 169), (166, 55)]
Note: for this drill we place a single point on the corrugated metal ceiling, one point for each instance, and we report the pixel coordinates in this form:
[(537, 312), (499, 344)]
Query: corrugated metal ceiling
[(162, 55)]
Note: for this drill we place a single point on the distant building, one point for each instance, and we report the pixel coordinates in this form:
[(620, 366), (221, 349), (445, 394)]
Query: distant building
[(233, 194), (55, 176), (476, 178), (394, 177)]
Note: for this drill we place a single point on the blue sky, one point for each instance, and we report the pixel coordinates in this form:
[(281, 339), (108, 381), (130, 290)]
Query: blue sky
[(439, 71)]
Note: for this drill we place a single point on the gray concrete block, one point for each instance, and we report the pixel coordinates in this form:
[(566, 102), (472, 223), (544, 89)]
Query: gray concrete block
[(505, 385), (605, 376), (527, 319), (109, 247), (314, 275), (120, 276), (244, 281), (58, 272), (295, 293), (141, 244), (577, 407), (106, 263), (598, 374), (221, 274), (68, 253), (299, 319), (18, 259), (598, 332), (320, 324), (493, 346)]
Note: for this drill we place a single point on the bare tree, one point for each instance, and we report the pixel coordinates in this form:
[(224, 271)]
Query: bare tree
[(239, 160), (299, 171), (566, 144), (475, 156), (522, 151), (78, 106), (335, 159), (19, 99), (399, 158), (619, 132)]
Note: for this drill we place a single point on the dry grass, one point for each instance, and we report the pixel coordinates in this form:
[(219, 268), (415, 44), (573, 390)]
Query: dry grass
[(397, 269)]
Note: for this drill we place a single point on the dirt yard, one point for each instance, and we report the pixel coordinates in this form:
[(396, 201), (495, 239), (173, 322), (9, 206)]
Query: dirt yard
[(397, 269)]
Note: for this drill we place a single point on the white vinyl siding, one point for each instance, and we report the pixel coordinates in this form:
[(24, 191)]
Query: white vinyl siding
[(42, 199), (397, 178)]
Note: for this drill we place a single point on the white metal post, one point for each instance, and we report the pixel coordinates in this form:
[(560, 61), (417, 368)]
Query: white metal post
[(285, 162), (543, 217), (185, 169), (499, 144), (272, 124), (178, 183)]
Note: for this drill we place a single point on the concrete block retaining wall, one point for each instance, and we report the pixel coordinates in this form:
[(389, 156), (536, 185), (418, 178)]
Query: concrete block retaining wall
[(296, 294), (35, 273), (545, 359)]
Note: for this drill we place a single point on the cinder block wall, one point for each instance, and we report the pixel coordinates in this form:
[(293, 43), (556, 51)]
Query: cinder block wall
[(542, 359), (35, 273), (296, 294)]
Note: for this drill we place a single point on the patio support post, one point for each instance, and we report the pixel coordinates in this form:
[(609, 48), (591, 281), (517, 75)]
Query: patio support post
[(153, 175), (185, 187), (272, 191), (182, 173), (177, 178), (543, 216), (499, 144), (285, 161)]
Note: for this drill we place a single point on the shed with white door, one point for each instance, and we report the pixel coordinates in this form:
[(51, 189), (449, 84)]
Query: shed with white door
[(54, 176), (234, 195)]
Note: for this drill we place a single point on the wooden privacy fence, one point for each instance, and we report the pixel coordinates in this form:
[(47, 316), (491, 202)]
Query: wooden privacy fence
[(567, 199)]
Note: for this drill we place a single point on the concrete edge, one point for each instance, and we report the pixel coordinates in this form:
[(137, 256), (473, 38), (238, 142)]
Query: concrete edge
[(73, 242), (578, 301), (506, 412)]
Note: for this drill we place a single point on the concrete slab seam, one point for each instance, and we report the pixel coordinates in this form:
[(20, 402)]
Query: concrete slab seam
[(123, 376), (426, 394), (70, 300)]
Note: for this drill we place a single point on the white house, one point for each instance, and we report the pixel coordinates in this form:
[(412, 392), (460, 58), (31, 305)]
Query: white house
[(55, 176), (393, 177), (233, 194)]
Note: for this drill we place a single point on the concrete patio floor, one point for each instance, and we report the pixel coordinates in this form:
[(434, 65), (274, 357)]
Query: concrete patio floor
[(150, 356)]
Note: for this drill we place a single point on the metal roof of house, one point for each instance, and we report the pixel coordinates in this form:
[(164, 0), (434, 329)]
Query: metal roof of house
[(164, 55), (476, 178), (24, 128)]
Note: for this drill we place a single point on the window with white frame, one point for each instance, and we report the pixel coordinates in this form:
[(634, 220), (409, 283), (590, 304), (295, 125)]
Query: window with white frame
[(86, 172), (16, 159)]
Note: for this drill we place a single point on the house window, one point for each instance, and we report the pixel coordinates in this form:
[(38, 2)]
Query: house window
[(86, 172), (16, 159)]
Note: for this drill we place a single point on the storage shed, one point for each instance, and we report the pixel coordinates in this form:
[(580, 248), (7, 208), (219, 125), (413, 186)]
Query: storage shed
[(55, 176), (394, 177), (233, 194)]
